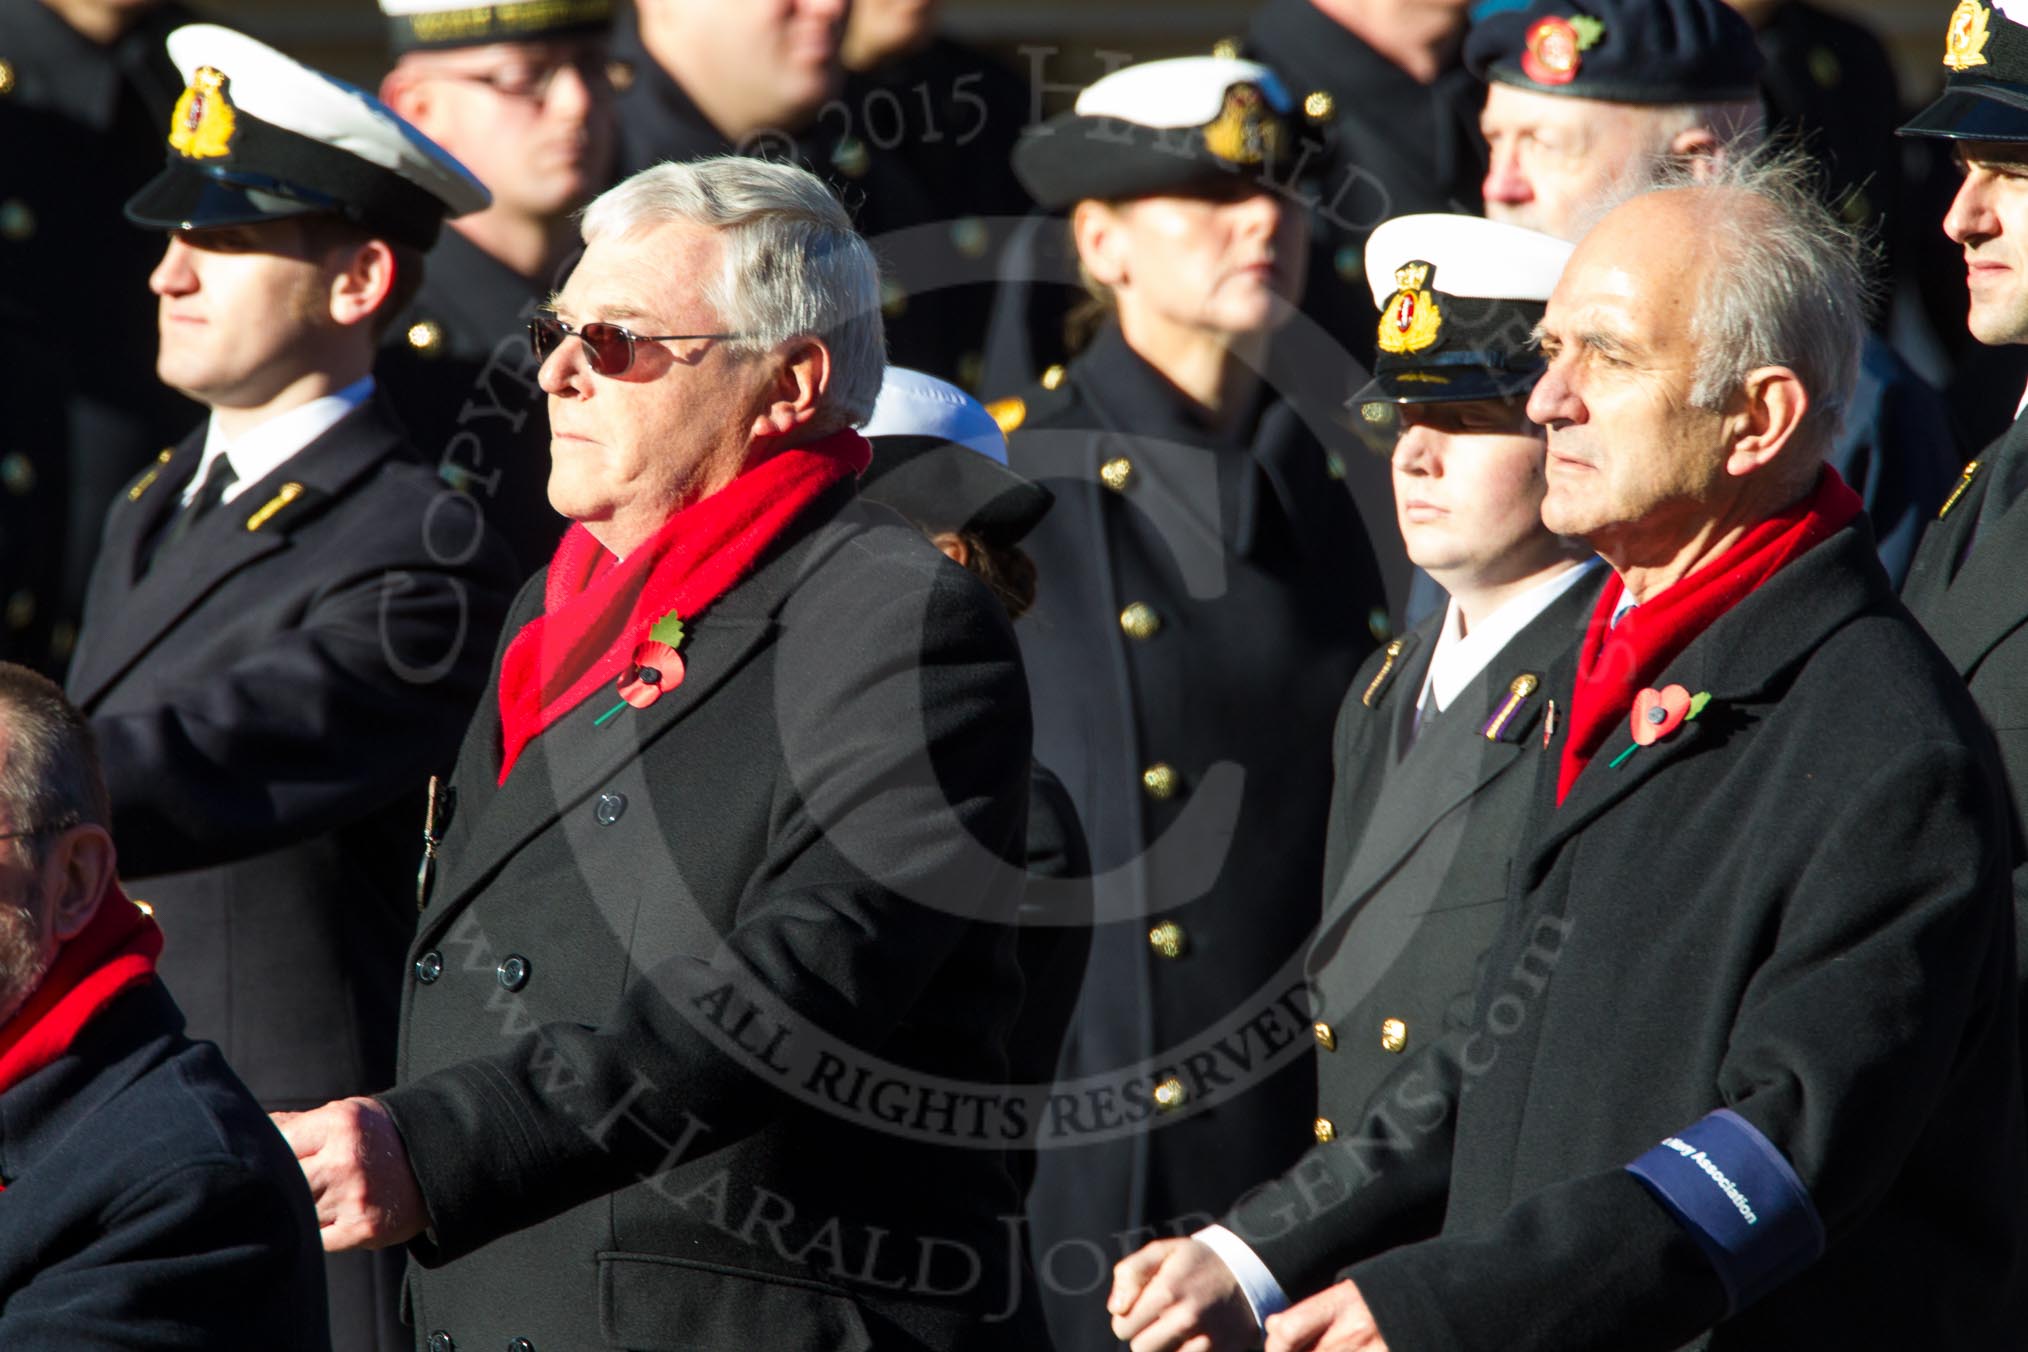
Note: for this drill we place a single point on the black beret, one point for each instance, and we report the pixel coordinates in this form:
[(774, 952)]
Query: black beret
[(1625, 51), (1190, 124), (1985, 97)]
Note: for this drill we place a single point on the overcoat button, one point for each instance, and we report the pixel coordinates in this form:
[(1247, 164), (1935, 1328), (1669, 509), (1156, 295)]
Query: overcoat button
[(521, 1345), (1170, 1094), (1160, 780), (429, 967), (1168, 939), (1116, 473), (610, 806), (441, 1342), (1393, 1035), (512, 971), (1140, 621), (1327, 1037), (1326, 1130)]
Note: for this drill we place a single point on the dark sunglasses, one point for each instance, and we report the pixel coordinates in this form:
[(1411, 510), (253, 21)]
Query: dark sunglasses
[(608, 347)]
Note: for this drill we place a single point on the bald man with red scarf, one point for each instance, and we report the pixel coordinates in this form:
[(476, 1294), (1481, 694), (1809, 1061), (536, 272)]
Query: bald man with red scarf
[(1741, 1072)]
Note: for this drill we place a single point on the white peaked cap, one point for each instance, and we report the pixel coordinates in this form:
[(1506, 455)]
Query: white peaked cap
[(1184, 91), (1472, 257), (915, 404)]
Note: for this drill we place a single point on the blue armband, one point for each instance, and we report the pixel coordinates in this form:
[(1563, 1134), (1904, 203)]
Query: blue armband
[(1733, 1191)]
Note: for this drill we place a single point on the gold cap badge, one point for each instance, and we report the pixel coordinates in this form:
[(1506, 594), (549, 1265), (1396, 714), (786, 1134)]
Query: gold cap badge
[(1243, 132), (1966, 37), (203, 122), (1410, 321)]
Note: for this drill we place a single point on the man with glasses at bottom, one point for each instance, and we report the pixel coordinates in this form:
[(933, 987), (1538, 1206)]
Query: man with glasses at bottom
[(739, 835), (290, 619), (520, 94)]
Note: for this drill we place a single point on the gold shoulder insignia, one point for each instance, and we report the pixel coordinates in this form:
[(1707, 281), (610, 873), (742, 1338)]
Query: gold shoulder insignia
[(203, 122), (1384, 677), (1010, 413), (290, 492), (1964, 482), (147, 481), (1410, 321), (1518, 692)]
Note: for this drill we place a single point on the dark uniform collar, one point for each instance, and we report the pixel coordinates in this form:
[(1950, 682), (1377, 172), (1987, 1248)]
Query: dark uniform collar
[(1322, 53), (657, 119), (482, 295), (88, 92)]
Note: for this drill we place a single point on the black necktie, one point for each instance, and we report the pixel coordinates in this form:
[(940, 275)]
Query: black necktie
[(210, 493)]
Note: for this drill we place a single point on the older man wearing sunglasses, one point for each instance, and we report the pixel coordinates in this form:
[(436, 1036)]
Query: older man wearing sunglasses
[(710, 992)]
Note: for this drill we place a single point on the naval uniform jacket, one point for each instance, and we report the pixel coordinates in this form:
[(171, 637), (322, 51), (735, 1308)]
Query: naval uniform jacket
[(1795, 906), (458, 371), (269, 698), (696, 988), (1969, 596), (1202, 605), (1424, 828), (149, 1203)]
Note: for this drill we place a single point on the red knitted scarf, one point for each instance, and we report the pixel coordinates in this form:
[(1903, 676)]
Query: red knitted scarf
[(1618, 661), (597, 608), (112, 954)]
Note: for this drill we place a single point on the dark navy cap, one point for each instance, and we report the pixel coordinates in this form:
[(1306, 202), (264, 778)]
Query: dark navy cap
[(1985, 97), (1459, 300), (940, 460), (1185, 125), (1625, 51), (258, 137)]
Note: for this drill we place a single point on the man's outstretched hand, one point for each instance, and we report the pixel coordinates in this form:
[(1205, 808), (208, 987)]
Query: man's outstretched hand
[(357, 1167), (1176, 1295)]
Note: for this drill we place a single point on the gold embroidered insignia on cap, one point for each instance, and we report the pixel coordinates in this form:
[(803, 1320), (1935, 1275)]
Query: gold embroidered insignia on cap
[(203, 122), (1009, 413), (1966, 37), (1243, 133), (1410, 321)]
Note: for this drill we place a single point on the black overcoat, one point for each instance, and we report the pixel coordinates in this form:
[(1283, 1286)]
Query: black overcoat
[(704, 1015), (1194, 631), (1794, 907), (149, 1203)]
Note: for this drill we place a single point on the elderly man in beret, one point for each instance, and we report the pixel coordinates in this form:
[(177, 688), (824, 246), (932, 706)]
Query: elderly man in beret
[(709, 998), (1741, 1067)]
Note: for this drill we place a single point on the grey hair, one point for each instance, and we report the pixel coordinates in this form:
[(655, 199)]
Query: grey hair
[(1787, 284), (794, 266), (50, 779)]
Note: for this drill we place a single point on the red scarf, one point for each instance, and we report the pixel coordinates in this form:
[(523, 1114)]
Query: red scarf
[(596, 608), (112, 954), (1618, 661)]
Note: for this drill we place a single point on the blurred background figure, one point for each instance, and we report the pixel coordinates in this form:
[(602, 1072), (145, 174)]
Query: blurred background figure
[(1206, 590), (951, 114), (148, 1201), (1390, 122), (527, 106), (1640, 86), (85, 90), (764, 78), (291, 618)]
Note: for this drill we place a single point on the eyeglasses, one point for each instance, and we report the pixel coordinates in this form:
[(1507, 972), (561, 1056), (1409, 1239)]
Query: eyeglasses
[(533, 82), (609, 347)]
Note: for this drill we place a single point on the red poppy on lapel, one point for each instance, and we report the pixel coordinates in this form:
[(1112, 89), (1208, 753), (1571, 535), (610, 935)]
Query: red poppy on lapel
[(1657, 713), (655, 667)]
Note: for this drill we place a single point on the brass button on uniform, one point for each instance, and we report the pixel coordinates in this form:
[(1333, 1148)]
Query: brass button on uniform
[(1160, 780), (1327, 1037), (1168, 939), (1116, 473), (426, 336), (1318, 105), (6, 77), (21, 609), (1140, 621), (1327, 1131), (17, 471), (429, 967), (620, 75), (1393, 1035), (1052, 378), (17, 220), (1170, 1094)]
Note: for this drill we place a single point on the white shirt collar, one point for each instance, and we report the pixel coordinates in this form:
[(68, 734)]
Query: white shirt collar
[(1459, 657), (265, 449), (1621, 607)]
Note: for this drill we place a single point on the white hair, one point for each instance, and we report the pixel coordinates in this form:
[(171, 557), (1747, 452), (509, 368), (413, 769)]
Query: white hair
[(794, 266), (1786, 285)]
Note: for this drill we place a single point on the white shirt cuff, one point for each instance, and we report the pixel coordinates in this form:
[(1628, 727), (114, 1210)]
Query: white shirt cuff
[(1264, 1295)]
